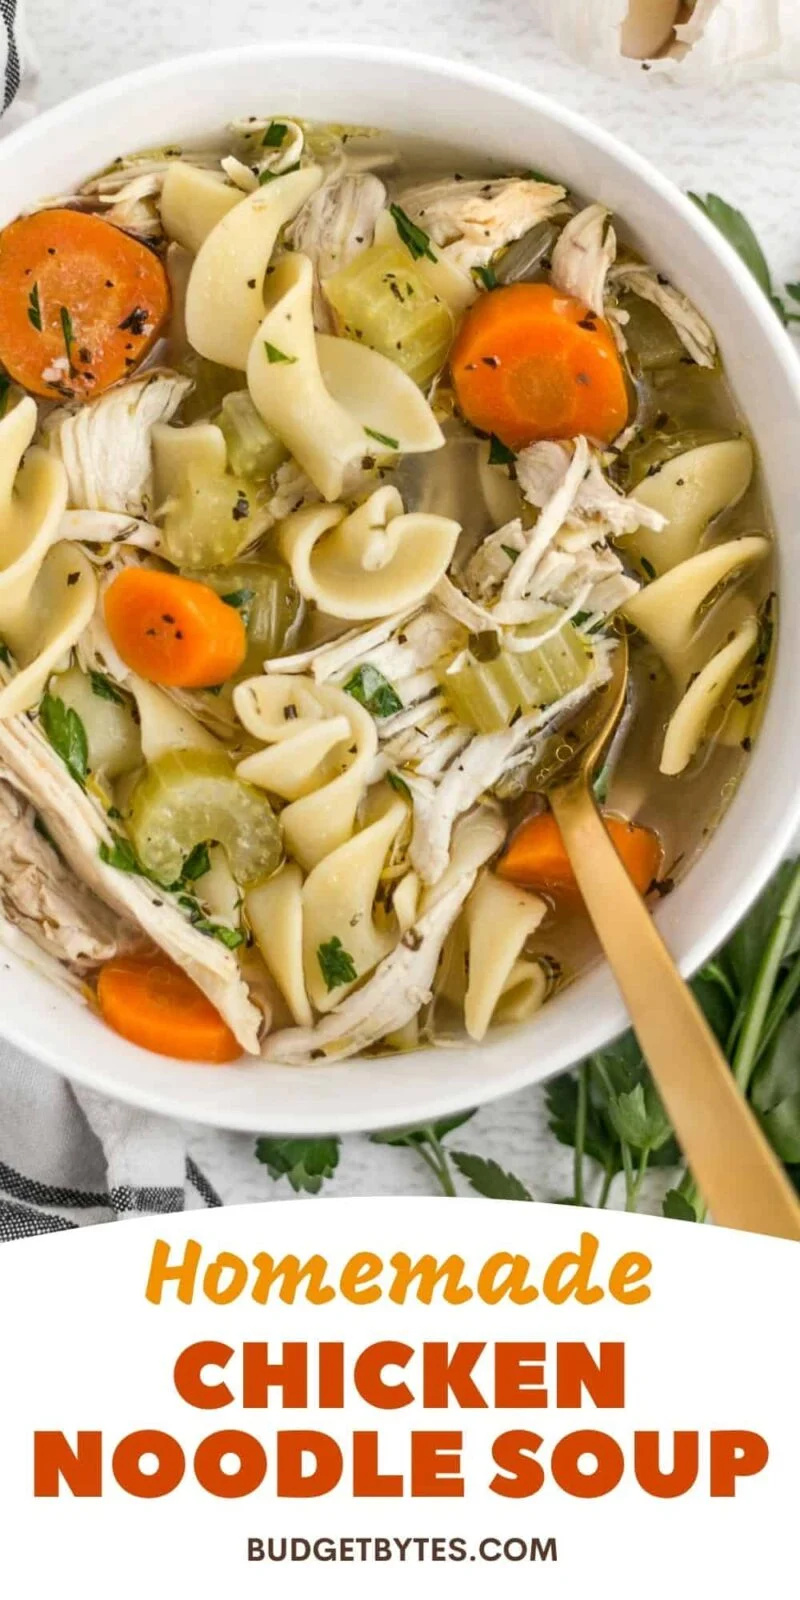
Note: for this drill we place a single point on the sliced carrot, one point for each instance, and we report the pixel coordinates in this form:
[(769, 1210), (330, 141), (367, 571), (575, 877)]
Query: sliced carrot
[(173, 630), (532, 363), (536, 857), (81, 303), (154, 1004)]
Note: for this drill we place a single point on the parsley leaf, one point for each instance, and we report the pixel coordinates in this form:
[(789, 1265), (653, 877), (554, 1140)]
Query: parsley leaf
[(305, 1162), (270, 177), (67, 735), (5, 390), (240, 599), (121, 855), (230, 937), (274, 136), (105, 689), (383, 438), (5, 655), (421, 1132), (35, 308), (489, 1179), (734, 227), (647, 568), (336, 964), (508, 550), (69, 336), (275, 355), (399, 784), (485, 277), (499, 454), (415, 239), (197, 864), (676, 1206), (369, 687)]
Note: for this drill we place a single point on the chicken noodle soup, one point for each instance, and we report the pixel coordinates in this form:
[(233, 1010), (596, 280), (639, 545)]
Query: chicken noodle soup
[(329, 478)]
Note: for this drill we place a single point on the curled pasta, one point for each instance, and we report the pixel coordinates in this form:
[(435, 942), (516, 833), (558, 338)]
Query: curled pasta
[(688, 724), (339, 903), (319, 747), (33, 499), (499, 918), (330, 400), (690, 491), (666, 612), (224, 298), (370, 563), (193, 201), (275, 913), (58, 609)]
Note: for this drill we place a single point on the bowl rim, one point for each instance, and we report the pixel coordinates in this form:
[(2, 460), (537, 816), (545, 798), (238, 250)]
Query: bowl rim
[(441, 1097)]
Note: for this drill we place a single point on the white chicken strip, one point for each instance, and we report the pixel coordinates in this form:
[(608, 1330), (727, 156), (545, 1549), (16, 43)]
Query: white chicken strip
[(106, 446), (582, 255), (78, 828), (541, 470), (692, 329), (333, 227), (472, 220), (403, 982), (41, 897), (474, 771)]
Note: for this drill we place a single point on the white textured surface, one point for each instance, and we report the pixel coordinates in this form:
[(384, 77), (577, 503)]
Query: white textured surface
[(742, 143)]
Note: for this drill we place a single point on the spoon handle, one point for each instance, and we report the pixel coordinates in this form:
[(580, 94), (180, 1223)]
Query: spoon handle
[(737, 1172)]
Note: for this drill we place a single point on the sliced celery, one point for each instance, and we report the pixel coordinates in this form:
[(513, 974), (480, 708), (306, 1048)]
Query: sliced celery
[(191, 797), (253, 452), (207, 515), (382, 299), (488, 695), (267, 601), (650, 335)]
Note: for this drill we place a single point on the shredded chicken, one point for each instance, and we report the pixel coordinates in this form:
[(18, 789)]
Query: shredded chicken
[(106, 446), (542, 468), (473, 219), (333, 227), (41, 897), (584, 251), (692, 329), (78, 827), (400, 985)]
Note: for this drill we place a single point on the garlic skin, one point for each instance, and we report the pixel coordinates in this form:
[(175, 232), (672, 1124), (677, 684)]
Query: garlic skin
[(720, 41)]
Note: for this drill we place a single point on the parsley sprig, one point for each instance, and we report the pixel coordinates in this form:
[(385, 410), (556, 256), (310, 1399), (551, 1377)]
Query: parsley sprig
[(735, 227)]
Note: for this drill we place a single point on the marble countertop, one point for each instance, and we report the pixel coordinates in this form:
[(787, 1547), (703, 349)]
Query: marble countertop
[(741, 143)]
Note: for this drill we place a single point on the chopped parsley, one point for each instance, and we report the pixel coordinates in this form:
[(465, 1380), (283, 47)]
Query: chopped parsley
[(509, 551), (383, 438), (67, 735), (274, 354), (396, 782), (230, 937), (121, 855), (485, 276), (197, 864), (5, 390), (105, 689), (647, 568), (240, 600), (336, 964), (269, 177), (369, 687), (35, 308), (69, 335), (5, 655), (500, 455), (274, 136), (415, 239)]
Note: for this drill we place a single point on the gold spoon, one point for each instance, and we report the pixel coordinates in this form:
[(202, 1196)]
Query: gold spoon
[(737, 1172)]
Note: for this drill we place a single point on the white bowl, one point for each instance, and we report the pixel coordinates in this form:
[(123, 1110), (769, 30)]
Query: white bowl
[(414, 94)]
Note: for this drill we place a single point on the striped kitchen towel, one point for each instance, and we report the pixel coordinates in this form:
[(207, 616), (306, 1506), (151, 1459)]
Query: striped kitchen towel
[(70, 1156), (17, 65)]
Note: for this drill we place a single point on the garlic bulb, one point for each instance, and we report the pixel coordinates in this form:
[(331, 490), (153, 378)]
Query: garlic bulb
[(691, 41)]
